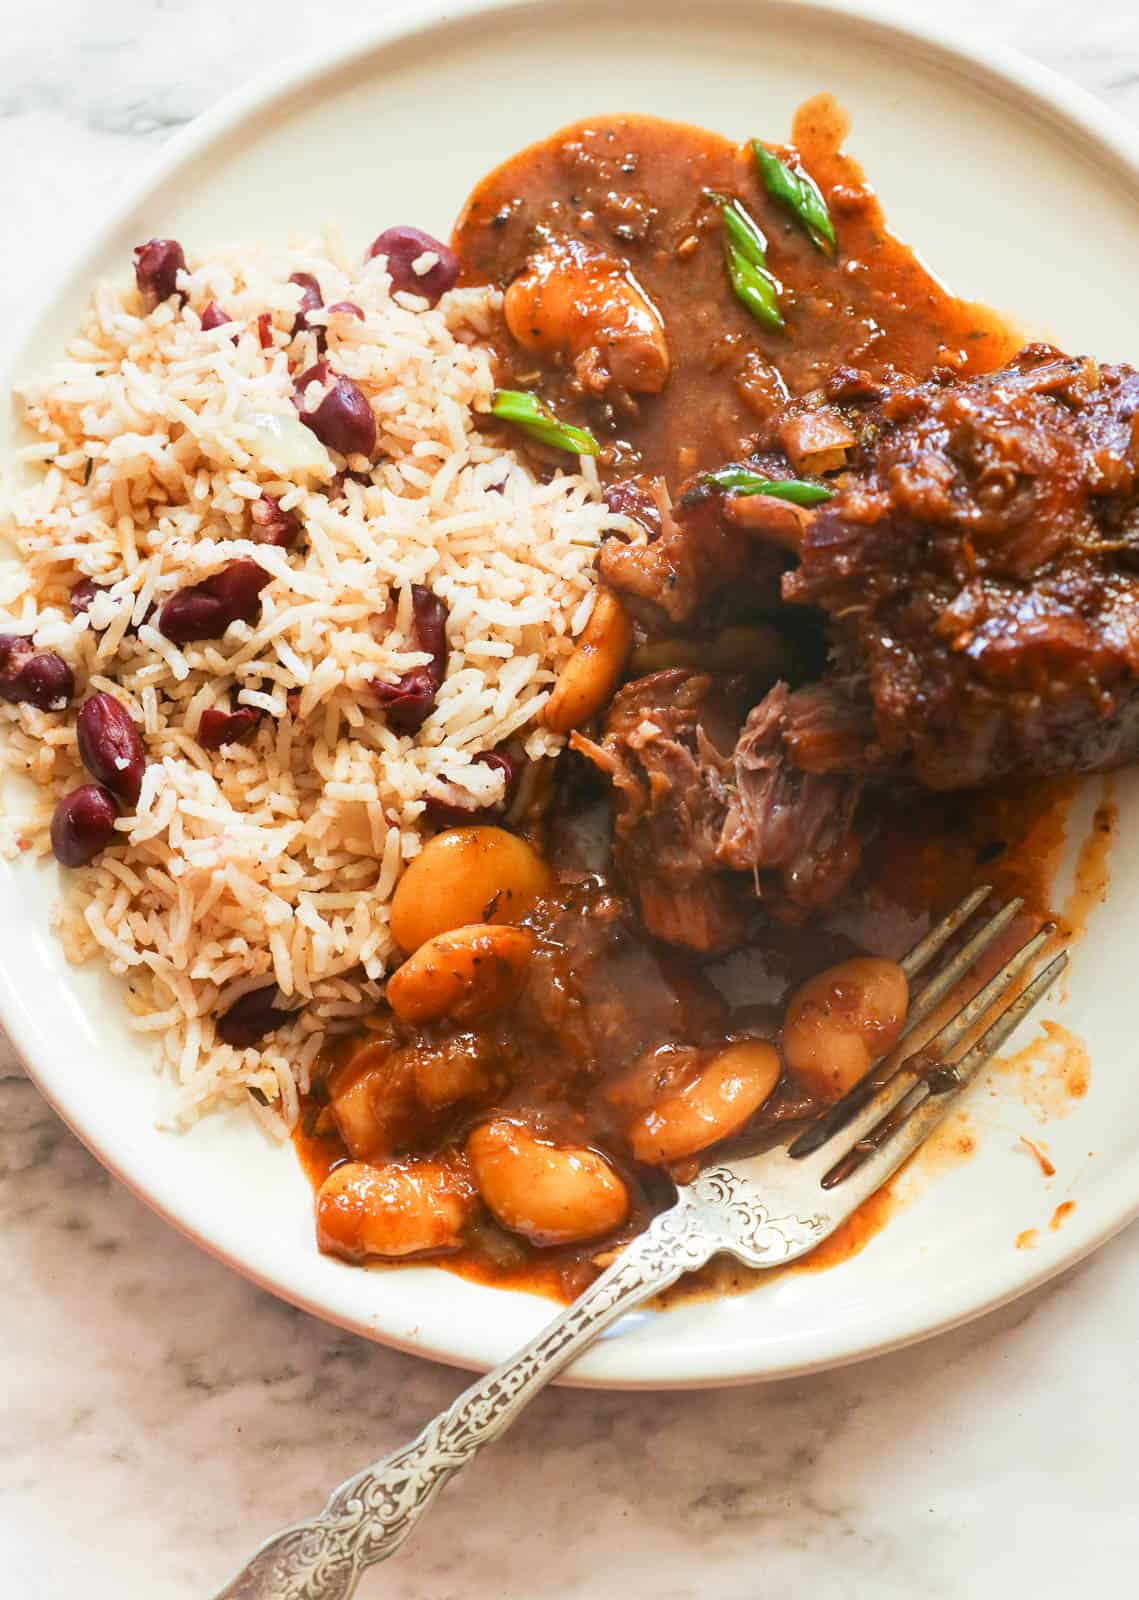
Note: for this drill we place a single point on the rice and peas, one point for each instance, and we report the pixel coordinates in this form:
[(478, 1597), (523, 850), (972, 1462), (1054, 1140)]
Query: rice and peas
[(169, 450)]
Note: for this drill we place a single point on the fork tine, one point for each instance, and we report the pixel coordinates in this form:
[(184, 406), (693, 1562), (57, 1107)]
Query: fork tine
[(888, 1098), (903, 1132), (923, 1003), (934, 992), (924, 951), (961, 1021)]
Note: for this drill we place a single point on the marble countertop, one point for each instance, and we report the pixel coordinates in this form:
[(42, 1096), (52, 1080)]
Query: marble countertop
[(159, 1414)]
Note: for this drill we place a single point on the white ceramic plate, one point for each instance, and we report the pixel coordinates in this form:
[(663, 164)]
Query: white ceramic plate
[(1022, 192)]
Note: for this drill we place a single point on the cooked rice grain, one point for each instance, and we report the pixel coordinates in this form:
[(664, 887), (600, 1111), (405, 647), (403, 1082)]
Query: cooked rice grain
[(276, 861)]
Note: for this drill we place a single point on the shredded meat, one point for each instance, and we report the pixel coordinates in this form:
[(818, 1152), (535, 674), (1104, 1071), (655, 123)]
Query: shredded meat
[(672, 798), (691, 551), (981, 573), (790, 812), (689, 816), (979, 568)]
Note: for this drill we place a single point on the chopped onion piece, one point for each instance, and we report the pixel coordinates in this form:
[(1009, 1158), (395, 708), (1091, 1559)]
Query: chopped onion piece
[(282, 443)]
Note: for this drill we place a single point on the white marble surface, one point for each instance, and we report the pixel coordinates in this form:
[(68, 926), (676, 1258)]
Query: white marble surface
[(158, 1415)]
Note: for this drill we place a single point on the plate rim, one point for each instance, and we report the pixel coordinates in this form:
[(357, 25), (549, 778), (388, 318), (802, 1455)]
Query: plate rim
[(1104, 1211)]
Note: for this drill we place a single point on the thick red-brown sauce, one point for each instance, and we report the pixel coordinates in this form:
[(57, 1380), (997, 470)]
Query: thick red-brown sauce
[(1011, 839), (877, 309)]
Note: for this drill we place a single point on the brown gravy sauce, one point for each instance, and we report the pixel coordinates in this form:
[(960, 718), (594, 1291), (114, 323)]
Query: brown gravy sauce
[(878, 309), (910, 867), (635, 186)]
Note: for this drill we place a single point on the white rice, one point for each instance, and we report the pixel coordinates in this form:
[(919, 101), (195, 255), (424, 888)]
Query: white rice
[(276, 861)]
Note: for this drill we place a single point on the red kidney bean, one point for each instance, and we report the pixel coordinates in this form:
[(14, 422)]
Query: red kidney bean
[(271, 525), (217, 727), (343, 420), (342, 308), (82, 824), (502, 761), (110, 746), (319, 372), (311, 300), (45, 680), (191, 614), (430, 615), (251, 1018), (83, 594), (239, 586), (214, 317), (411, 699), (402, 247), (33, 677), (205, 610), (444, 814), (156, 267)]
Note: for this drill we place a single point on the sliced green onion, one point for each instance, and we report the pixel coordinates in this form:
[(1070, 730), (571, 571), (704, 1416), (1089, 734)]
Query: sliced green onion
[(745, 251), (535, 417), (742, 229), (799, 193), (739, 480), (756, 289)]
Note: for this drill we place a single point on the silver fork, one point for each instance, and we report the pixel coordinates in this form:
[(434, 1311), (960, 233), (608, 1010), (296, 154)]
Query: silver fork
[(766, 1210)]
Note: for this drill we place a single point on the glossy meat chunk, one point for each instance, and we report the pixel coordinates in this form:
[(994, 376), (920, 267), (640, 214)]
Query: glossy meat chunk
[(790, 812), (696, 804), (690, 552), (981, 574), (670, 783)]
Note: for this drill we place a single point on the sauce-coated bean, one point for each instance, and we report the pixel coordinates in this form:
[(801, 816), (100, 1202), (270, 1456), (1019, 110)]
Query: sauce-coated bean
[(404, 1208), (466, 875), (593, 671), (553, 1194), (465, 974), (842, 1020), (715, 1105)]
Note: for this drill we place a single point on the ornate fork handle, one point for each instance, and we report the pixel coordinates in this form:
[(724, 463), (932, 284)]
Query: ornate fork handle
[(370, 1515)]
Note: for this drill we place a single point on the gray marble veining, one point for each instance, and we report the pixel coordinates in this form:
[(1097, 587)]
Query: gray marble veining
[(158, 1414)]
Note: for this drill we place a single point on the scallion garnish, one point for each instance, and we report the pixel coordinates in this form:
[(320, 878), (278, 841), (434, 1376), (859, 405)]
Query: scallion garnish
[(745, 251), (799, 193), (739, 480), (536, 418), (743, 231)]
